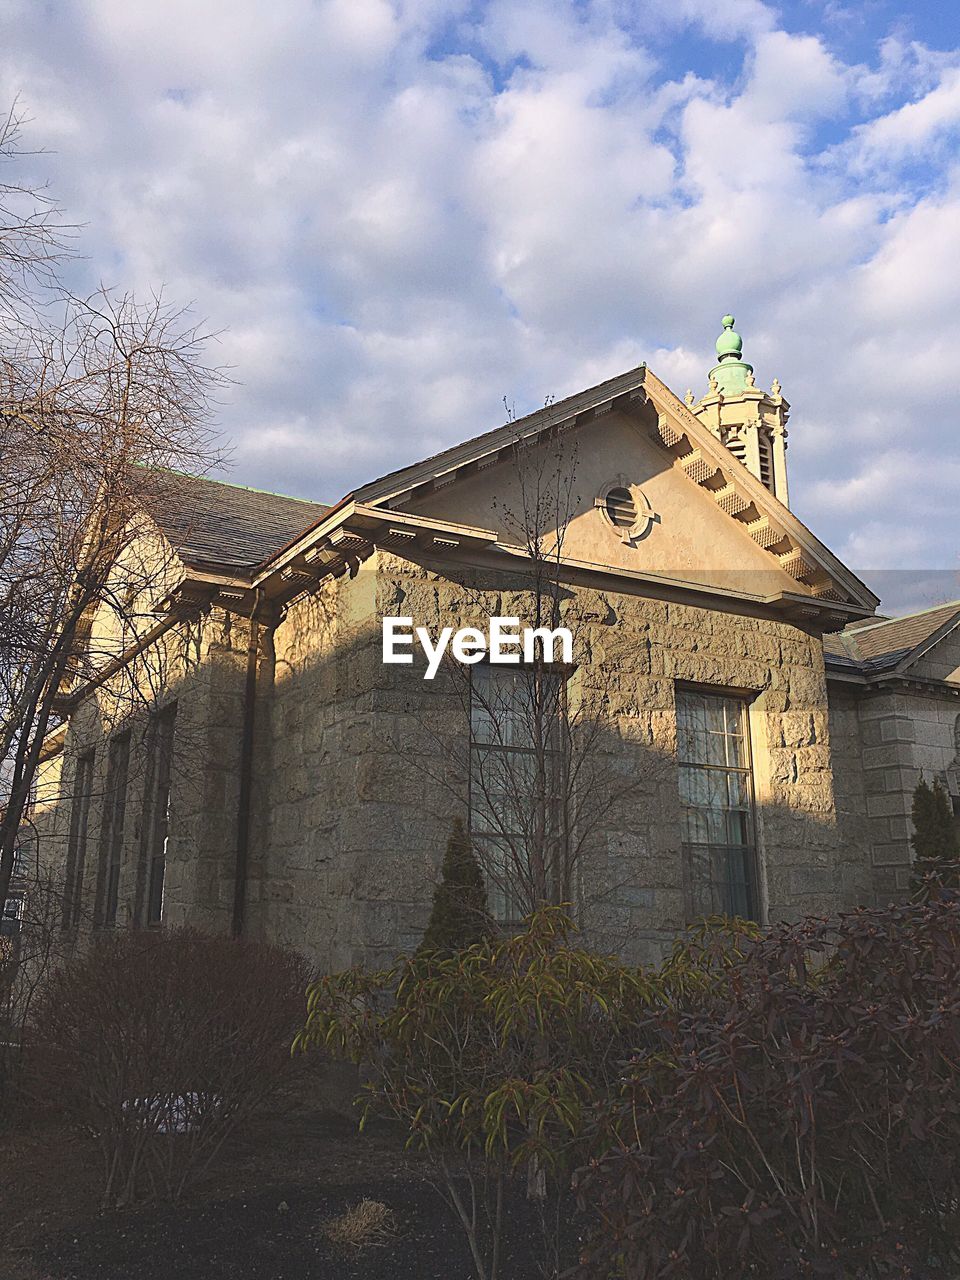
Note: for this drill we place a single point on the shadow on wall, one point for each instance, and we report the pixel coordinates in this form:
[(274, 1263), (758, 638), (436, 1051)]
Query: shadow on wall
[(369, 764), (359, 769)]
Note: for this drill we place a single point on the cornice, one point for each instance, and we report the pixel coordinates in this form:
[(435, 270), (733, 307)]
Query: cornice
[(740, 494)]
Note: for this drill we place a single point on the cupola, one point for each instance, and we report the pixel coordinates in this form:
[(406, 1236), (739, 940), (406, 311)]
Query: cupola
[(750, 422)]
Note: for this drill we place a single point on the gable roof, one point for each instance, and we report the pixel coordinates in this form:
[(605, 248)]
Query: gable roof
[(212, 523), (890, 643), (703, 459), (224, 526), (397, 483)]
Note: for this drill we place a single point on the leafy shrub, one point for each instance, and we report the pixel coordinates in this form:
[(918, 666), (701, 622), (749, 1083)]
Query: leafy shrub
[(489, 1058), (161, 1043), (798, 1116)]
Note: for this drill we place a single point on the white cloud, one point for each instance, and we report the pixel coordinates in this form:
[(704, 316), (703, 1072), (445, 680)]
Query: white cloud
[(916, 126), (794, 77), (737, 19), (399, 213)]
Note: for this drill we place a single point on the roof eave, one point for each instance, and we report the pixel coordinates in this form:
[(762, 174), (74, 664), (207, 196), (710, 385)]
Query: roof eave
[(737, 491), (446, 466)]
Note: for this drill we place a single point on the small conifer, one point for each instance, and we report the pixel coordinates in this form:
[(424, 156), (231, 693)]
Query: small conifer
[(459, 916), (935, 844)]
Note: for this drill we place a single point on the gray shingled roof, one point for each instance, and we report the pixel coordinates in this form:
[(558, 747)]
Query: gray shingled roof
[(211, 523), (880, 645)]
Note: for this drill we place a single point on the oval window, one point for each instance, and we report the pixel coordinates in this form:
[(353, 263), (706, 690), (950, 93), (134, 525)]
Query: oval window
[(621, 508)]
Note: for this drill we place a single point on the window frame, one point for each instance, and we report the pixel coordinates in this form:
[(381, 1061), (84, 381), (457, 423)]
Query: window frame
[(12, 918), (156, 818), (112, 829), (77, 839), (19, 871), (505, 911), (751, 850)]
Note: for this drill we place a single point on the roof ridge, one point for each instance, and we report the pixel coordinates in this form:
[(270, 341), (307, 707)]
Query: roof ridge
[(903, 617), (512, 429), (247, 488)]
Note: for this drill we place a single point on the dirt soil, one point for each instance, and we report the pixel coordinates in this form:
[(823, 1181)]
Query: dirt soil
[(258, 1215)]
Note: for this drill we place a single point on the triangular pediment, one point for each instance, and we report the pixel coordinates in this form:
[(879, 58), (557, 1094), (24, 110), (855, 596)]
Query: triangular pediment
[(713, 521), (625, 507)]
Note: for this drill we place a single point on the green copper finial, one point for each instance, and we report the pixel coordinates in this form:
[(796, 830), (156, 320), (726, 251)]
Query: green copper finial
[(731, 374), (729, 344)]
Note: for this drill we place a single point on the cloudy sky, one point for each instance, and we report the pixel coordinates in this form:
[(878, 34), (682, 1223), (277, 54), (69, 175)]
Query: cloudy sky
[(399, 212)]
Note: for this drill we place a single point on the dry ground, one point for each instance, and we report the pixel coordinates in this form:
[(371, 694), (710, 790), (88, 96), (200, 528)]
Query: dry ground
[(258, 1214)]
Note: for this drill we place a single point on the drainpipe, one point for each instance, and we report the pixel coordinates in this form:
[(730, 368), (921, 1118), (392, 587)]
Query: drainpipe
[(246, 770)]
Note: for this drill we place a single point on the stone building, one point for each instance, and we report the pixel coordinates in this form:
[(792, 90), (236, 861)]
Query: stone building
[(765, 728)]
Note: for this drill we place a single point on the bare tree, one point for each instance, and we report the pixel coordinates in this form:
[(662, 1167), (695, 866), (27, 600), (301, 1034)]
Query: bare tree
[(32, 944), (34, 238), (543, 774), (102, 399), (546, 771)]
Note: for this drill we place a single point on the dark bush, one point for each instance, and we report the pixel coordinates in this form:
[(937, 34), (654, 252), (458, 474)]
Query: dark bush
[(936, 848), (459, 916), (798, 1117), (161, 1043)]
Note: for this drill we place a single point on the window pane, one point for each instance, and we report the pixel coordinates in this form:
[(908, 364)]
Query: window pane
[(11, 916), (514, 777), (500, 860), (716, 790), (114, 820), (158, 810)]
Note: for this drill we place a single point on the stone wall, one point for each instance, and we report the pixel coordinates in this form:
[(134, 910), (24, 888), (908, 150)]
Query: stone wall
[(367, 763), (361, 767), (200, 666), (884, 739), (856, 835)]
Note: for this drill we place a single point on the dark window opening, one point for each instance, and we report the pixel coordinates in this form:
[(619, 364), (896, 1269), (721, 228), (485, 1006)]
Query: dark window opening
[(114, 817), (19, 862), (621, 508), (157, 811), (766, 462), (739, 450), (12, 916), (77, 840)]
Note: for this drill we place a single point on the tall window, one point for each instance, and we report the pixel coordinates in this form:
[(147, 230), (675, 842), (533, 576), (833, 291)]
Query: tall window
[(77, 840), (716, 794), (515, 771), (111, 835), (157, 810)]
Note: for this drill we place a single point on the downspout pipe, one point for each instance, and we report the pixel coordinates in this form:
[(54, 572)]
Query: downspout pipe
[(244, 799)]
